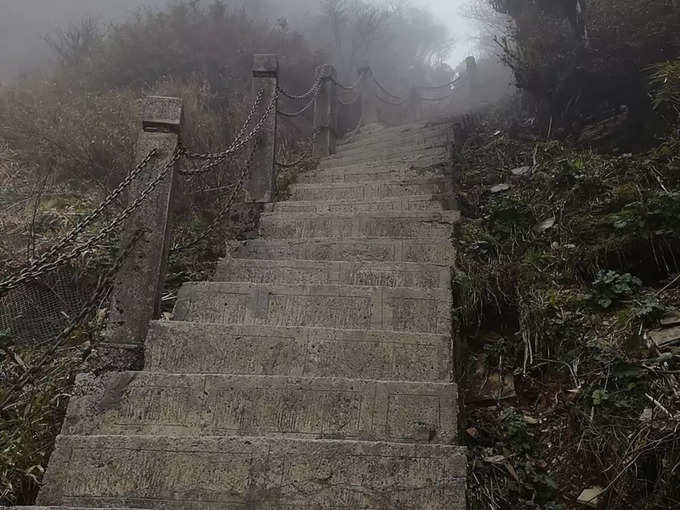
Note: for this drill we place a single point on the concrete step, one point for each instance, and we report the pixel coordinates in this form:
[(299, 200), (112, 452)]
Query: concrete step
[(416, 159), (233, 473), (419, 251), (385, 150), (145, 403), (307, 272), (413, 203), (357, 174), (400, 136), (190, 348), (365, 191), (328, 306), (396, 225)]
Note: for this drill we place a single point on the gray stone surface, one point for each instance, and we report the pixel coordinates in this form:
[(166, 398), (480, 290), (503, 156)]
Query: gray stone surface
[(413, 203), (133, 403), (190, 348), (378, 160), (353, 175), (305, 272), (364, 191), (330, 306), (394, 225), (136, 292), (256, 473), (260, 184), (313, 372), (379, 250)]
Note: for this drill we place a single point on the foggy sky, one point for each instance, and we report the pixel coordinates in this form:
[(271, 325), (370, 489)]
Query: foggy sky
[(24, 23)]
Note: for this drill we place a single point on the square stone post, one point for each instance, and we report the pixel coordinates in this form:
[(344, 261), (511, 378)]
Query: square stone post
[(137, 289), (260, 186), (369, 99), (325, 114)]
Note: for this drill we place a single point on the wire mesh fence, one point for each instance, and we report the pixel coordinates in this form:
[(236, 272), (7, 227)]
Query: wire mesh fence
[(36, 311)]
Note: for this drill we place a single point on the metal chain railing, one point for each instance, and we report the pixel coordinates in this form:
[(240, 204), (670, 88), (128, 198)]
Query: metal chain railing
[(34, 272), (316, 90), (89, 309), (318, 80), (305, 155), (241, 139), (236, 189)]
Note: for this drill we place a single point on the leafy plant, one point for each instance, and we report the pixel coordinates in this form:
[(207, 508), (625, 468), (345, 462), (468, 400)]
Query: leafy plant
[(611, 287)]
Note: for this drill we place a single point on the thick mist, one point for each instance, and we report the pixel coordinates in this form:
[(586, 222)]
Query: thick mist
[(25, 23)]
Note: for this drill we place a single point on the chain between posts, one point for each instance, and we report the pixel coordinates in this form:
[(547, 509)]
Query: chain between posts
[(239, 141), (219, 158), (33, 273), (88, 309), (310, 104), (237, 188), (305, 155), (80, 228)]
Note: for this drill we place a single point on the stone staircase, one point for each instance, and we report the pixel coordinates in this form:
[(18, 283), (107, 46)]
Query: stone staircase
[(313, 372)]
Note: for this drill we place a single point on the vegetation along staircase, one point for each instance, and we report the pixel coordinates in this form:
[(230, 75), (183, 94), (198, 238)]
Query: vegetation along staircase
[(315, 369)]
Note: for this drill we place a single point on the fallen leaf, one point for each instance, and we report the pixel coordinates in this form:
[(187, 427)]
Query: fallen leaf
[(521, 171), (495, 459), (545, 225), (498, 188), (591, 497)]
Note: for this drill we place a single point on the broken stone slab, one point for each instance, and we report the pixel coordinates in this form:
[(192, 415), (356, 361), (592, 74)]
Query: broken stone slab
[(306, 272), (259, 473), (146, 403), (664, 337), (440, 252), (591, 497), (328, 306), (395, 225), (370, 190), (190, 348), (671, 319)]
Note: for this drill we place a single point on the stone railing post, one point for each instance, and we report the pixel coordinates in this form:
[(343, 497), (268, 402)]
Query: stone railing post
[(369, 99), (325, 114), (260, 186), (137, 289)]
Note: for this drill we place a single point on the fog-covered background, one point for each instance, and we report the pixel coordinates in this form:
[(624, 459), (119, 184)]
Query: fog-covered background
[(24, 23)]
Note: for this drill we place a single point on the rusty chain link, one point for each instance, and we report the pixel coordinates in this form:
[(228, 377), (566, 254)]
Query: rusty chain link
[(305, 155), (35, 272), (240, 141), (236, 189), (311, 103), (80, 228)]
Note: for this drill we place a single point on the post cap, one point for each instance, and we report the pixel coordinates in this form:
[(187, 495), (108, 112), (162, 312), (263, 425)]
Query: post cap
[(265, 65), (162, 114)]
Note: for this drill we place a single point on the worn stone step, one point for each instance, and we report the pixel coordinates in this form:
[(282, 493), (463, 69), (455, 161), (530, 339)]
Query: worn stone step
[(399, 136), (184, 347), (255, 473), (367, 160), (357, 174), (396, 225), (420, 159), (147, 403), (386, 149), (413, 203), (420, 251), (307, 272), (327, 306), (365, 191)]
